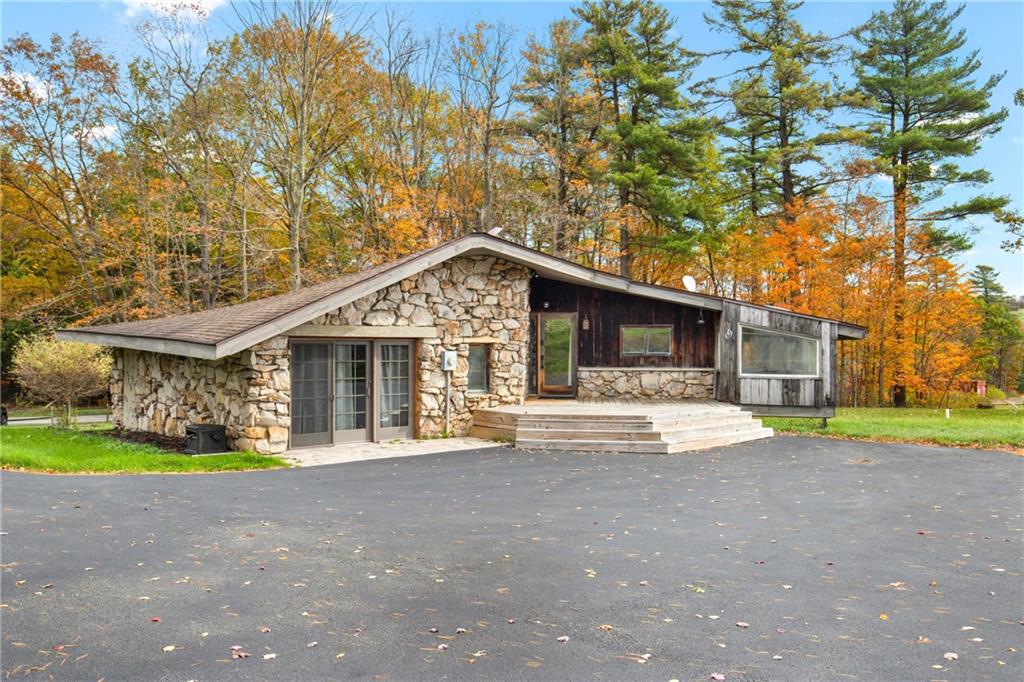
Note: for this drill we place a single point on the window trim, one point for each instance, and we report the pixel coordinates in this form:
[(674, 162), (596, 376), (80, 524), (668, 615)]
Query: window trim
[(487, 369), (805, 337), (647, 340)]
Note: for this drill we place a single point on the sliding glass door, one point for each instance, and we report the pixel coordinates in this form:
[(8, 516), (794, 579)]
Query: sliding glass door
[(351, 391), (348, 391)]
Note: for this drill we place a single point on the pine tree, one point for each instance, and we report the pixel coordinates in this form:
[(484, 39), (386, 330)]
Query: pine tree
[(1002, 338), (562, 118), (924, 108), (779, 106), (651, 139)]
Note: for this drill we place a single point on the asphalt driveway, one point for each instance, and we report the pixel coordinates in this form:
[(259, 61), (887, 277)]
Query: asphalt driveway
[(795, 558)]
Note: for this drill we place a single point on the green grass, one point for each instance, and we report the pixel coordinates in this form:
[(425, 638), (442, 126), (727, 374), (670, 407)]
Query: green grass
[(41, 448), (37, 412), (965, 427)]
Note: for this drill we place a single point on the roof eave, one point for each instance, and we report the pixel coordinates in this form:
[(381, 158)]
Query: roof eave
[(169, 346)]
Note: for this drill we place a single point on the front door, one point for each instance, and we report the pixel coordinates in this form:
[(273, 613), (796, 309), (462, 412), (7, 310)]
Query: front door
[(556, 354), (345, 391)]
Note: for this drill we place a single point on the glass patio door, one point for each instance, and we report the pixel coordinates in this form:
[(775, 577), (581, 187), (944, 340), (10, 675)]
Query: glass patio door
[(394, 390), (352, 391), (311, 394), (556, 356)]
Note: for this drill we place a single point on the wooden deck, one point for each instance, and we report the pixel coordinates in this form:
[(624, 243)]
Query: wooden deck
[(618, 425)]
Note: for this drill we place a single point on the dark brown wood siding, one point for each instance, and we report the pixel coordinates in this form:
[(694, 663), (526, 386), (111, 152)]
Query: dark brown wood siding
[(693, 344)]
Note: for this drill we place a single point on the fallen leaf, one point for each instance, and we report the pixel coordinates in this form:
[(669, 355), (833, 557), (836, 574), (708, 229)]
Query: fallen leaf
[(950, 656), (461, 631), (169, 648), (154, 619), (741, 624), (718, 677), (267, 657), (264, 629), (563, 639), (311, 645), (442, 647), (883, 616)]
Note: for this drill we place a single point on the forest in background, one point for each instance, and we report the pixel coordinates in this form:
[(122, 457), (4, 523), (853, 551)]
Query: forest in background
[(318, 140)]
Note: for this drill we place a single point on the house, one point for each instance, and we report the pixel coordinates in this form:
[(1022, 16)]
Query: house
[(413, 347)]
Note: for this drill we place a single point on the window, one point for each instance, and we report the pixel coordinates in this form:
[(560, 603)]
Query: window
[(646, 339), (479, 379), (764, 351)]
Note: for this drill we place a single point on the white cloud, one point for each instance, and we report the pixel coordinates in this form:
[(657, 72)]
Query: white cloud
[(197, 9), (36, 87), (103, 132)]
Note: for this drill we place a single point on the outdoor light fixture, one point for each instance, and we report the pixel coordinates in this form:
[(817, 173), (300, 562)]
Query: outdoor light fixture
[(700, 317), (545, 305)]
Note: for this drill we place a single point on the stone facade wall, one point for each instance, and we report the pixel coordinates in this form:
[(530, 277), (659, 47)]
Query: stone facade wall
[(248, 392), (633, 382), (467, 298)]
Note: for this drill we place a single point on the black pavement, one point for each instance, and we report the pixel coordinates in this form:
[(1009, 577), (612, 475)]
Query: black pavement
[(793, 558)]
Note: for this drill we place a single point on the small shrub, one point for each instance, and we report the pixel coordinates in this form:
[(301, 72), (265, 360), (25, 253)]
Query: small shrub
[(963, 400), (995, 393), (62, 372)]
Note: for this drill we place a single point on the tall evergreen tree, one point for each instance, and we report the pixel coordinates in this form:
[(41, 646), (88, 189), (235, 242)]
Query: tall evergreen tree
[(562, 117), (779, 105), (924, 108), (1002, 339), (651, 139)]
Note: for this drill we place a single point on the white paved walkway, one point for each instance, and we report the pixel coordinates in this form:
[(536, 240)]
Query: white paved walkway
[(357, 452)]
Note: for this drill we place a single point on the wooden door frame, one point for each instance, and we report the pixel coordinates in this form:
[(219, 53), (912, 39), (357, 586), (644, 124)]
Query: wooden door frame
[(573, 355)]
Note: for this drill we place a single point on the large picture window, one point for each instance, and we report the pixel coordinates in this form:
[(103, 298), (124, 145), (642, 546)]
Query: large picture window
[(645, 339), (765, 351)]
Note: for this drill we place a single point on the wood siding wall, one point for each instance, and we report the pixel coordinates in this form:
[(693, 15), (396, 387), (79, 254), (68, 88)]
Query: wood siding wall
[(798, 394), (693, 344)]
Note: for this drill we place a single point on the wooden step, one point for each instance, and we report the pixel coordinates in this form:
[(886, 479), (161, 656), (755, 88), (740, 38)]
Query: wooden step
[(587, 434), (649, 446), (719, 441), (698, 432)]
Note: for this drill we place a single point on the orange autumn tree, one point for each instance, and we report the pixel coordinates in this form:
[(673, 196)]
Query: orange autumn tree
[(840, 257)]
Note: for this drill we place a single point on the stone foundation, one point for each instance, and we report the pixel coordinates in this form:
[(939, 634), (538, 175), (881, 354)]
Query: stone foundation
[(652, 383), (248, 392)]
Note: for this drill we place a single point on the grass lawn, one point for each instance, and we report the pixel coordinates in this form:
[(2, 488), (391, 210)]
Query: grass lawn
[(41, 448), (967, 427)]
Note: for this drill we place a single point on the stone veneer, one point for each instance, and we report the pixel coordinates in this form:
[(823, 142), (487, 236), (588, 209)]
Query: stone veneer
[(470, 299), (645, 382), (248, 392)]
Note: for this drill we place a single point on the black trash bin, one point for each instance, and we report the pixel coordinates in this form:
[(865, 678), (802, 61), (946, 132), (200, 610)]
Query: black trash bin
[(205, 439)]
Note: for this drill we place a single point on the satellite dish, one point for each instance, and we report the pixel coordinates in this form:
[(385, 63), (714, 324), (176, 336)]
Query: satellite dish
[(690, 283)]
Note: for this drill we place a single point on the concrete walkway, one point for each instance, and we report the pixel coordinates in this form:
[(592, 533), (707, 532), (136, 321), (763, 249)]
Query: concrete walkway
[(358, 452)]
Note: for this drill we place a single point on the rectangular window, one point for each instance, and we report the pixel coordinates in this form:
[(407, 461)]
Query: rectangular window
[(479, 374), (765, 351), (646, 339)]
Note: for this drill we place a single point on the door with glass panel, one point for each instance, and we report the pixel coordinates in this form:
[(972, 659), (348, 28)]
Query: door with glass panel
[(393, 361), (311, 394), (556, 354), (352, 391)]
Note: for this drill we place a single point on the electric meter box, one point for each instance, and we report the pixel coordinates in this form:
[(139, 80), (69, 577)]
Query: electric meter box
[(448, 358)]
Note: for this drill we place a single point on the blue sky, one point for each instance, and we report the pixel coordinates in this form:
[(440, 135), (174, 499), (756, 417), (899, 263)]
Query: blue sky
[(994, 28)]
